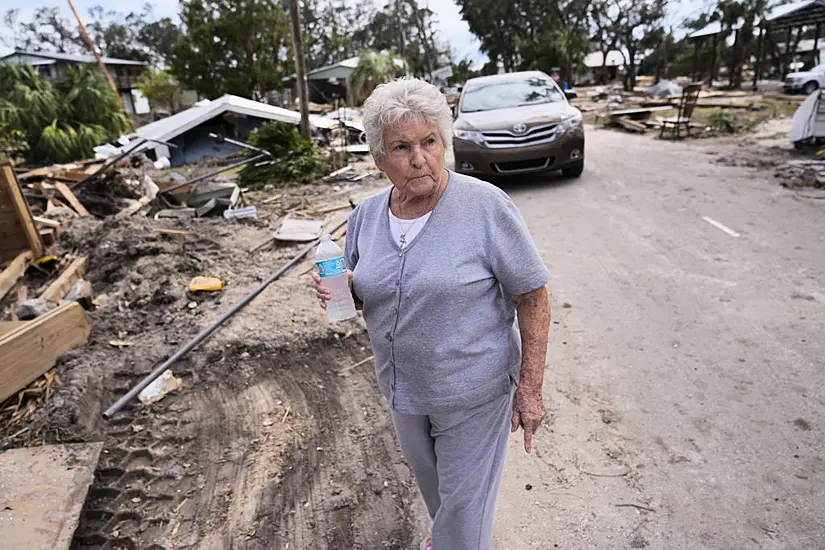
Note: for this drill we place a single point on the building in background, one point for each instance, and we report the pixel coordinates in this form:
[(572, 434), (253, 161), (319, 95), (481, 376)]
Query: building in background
[(125, 73)]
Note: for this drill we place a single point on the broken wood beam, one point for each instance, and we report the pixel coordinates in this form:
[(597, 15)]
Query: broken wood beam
[(64, 190), (17, 230), (133, 209), (340, 232), (333, 208), (63, 284), (630, 125), (47, 222), (176, 232), (34, 348), (15, 270)]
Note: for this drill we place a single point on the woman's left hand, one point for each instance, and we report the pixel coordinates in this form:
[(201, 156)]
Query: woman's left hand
[(528, 412)]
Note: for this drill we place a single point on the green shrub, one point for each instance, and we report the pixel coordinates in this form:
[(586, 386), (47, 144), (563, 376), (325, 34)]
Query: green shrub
[(296, 159), (60, 122)]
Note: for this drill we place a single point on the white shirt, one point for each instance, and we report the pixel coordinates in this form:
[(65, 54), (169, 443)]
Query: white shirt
[(409, 228)]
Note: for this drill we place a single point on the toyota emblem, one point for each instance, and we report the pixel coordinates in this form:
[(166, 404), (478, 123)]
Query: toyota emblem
[(519, 128)]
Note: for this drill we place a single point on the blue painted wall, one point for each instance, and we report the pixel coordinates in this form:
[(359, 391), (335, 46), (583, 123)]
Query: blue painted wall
[(196, 144)]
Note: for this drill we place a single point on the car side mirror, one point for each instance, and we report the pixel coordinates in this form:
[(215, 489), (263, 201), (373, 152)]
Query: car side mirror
[(571, 94)]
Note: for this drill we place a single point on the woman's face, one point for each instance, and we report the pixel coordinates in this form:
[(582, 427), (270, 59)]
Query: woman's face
[(414, 159)]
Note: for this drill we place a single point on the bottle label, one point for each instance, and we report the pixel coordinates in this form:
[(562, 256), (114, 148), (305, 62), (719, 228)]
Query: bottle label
[(333, 267)]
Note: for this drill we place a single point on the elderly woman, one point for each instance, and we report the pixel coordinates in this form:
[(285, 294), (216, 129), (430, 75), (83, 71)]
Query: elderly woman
[(440, 264)]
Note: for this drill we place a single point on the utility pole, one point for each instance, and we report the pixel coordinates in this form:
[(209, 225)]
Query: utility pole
[(94, 51), (300, 66)]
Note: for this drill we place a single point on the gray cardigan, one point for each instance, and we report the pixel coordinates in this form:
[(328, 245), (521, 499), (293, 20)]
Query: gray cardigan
[(440, 314)]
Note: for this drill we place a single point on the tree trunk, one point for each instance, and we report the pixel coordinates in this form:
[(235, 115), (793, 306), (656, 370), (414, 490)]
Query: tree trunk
[(300, 65)]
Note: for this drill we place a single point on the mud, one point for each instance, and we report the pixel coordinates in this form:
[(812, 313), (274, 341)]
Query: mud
[(262, 448), (266, 444)]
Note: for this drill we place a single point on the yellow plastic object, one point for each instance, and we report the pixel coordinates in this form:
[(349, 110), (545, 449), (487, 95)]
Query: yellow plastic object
[(46, 260), (205, 284)]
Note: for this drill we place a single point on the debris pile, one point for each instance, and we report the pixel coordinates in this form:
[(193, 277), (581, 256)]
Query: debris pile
[(665, 89), (802, 173)]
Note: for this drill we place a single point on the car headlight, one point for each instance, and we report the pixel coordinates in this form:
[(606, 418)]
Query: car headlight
[(569, 122), (468, 135)]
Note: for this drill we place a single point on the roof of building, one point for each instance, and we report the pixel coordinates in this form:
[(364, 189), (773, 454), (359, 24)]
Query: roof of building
[(175, 125), (342, 68), (780, 17), (72, 58)]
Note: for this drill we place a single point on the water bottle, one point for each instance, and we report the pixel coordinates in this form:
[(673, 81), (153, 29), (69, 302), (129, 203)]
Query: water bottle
[(333, 270)]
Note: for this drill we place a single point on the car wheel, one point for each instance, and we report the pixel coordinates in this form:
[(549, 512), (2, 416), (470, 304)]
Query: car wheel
[(574, 170), (810, 87)]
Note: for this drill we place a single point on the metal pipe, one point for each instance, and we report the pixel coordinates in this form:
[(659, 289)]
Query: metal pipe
[(220, 138), (215, 173), (205, 333)]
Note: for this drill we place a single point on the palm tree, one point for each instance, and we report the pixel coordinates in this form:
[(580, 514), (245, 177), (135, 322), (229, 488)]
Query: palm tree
[(373, 68), (61, 122)]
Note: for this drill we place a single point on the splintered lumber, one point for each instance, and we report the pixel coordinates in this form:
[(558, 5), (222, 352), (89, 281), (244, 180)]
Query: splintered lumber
[(333, 208), (64, 190), (340, 232), (31, 350), (133, 209), (15, 270), (47, 222), (43, 490), (630, 125), (63, 284), (17, 230), (175, 232)]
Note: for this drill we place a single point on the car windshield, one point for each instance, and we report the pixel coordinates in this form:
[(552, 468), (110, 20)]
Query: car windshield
[(519, 92)]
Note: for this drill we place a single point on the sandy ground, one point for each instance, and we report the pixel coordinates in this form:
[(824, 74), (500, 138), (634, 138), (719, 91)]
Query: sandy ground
[(685, 379)]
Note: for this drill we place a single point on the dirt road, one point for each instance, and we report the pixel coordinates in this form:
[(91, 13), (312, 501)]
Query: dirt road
[(686, 378), (685, 384)]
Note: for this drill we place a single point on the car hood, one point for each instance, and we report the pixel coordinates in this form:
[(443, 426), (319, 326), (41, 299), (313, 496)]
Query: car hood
[(803, 74), (505, 118)]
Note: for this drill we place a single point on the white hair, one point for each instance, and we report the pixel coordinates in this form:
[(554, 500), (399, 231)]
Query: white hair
[(401, 99)]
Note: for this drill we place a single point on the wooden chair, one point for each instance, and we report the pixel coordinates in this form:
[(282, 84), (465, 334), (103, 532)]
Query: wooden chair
[(690, 95)]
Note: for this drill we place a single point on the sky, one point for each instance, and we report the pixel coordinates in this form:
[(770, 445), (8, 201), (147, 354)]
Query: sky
[(450, 25)]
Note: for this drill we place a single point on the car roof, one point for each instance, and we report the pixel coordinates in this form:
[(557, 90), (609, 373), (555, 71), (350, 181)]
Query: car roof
[(506, 77)]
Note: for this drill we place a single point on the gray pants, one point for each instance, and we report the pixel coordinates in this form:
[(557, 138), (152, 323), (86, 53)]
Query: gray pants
[(458, 460)]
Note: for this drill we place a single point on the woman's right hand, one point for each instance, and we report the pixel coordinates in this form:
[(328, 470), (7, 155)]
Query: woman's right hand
[(322, 292)]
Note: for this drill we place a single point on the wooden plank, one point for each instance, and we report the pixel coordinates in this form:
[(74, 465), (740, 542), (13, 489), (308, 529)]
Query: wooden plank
[(176, 232), (34, 348), (630, 125), (47, 222), (14, 206), (133, 209), (10, 326), (60, 287), (56, 203), (340, 232), (15, 270), (43, 490), (64, 190), (625, 112), (70, 176), (333, 208)]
